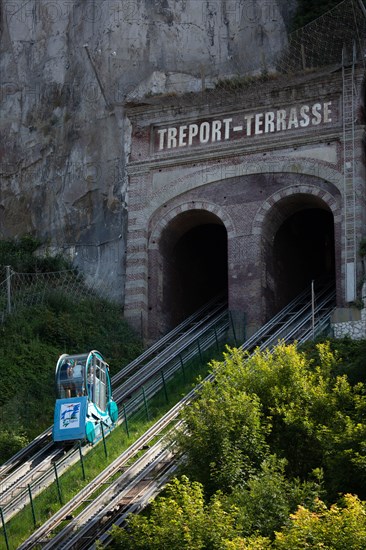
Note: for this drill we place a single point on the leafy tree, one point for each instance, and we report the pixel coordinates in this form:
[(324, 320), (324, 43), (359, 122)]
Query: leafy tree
[(180, 519), (268, 498), (11, 442), (259, 433), (340, 527), (279, 403), (21, 255), (225, 440)]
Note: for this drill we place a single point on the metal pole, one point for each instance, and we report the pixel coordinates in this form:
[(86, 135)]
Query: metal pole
[(4, 529), (145, 402), (233, 327), (199, 350), (104, 443), (164, 386), (182, 365), (82, 461), (217, 340), (313, 309), (126, 421), (32, 505), (8, 287), (57, 483)]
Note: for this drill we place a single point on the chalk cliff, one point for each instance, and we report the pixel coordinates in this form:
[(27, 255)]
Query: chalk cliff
[(67, 67)]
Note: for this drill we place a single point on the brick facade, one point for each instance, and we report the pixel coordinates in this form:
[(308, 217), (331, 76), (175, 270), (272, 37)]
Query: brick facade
[(248, 185)]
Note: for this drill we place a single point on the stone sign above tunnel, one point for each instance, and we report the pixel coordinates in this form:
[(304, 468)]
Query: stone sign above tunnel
[(253, 181), (236, 126)]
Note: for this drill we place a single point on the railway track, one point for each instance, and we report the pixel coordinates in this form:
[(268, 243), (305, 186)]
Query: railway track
[(132, 489), (293, 322), (120, 495), (35, 464)]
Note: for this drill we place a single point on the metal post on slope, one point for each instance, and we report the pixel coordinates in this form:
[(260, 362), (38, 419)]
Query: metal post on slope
[(58, 484), (8, 287), (313, 309), (82, 461), (182, 365), (233, 327), (145, 402), (126, 421), (164, 386), (104, 441), (4, 529), (32, 505), (199, 350)]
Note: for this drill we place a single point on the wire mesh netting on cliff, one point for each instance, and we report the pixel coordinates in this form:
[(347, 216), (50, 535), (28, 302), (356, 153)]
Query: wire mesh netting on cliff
[(21, 290), (321, 44)]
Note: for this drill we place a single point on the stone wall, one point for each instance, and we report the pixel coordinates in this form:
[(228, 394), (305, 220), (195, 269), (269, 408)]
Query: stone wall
[(350, 321)]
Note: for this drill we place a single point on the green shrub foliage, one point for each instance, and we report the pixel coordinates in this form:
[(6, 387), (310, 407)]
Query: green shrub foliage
[(20, 255), (274, 442)]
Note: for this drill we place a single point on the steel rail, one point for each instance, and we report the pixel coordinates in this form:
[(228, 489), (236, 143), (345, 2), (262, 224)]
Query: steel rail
[(189, 324), (19, 495), (24, 453), (289, 331), (10, 488), (39, 441), (157, 383), (89, 531), (156, 365), (109, 502), (150, 493), (182, 403), (108, 472), (300, 303)]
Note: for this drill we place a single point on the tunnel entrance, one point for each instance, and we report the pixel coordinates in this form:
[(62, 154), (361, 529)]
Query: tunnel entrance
[(194, 249), (303, 251)]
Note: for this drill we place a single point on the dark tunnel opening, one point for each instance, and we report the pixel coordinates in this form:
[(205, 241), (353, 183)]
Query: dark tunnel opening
[(303, 251), (198, 269)]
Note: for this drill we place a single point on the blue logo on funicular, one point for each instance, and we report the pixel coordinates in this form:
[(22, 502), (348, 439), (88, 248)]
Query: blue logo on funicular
[(70, 415)]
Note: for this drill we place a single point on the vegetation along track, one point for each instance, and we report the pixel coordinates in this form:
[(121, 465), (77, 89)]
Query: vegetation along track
[(121, 494), (35, 463), (125, 494)]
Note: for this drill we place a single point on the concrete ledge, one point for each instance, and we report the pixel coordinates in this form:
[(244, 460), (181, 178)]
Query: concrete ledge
[(345, 314)]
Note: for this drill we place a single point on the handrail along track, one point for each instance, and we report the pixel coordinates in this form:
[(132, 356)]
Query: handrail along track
[(293, 322)]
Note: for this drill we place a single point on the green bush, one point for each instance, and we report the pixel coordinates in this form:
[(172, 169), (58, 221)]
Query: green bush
[(11, 443), (20, 255)]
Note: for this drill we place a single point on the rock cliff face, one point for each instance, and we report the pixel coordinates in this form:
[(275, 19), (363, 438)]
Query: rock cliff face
[(67, 67)]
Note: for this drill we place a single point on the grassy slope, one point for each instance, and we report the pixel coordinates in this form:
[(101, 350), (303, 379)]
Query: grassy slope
[(30, 345)]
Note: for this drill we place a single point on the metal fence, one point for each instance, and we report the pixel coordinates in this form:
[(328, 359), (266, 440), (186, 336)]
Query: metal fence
[(20, 290)]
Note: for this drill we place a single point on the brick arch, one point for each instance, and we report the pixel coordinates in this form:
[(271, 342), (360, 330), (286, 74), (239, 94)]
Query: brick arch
[(304, 189), (316, 169), (274, 211), (159, 316), (186, 206)]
